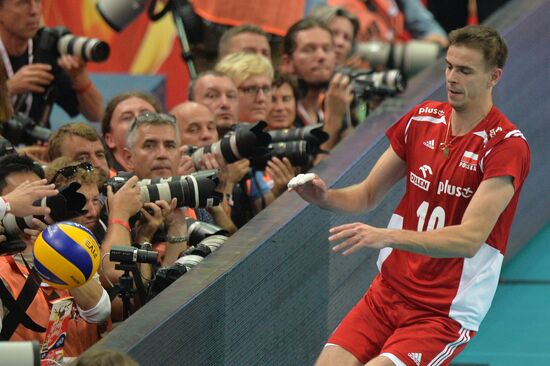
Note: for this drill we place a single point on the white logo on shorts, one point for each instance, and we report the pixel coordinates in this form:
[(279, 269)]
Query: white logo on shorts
[(416, 357)]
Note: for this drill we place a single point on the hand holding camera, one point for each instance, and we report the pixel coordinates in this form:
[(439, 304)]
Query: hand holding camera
[(30, 78), (21, 199)]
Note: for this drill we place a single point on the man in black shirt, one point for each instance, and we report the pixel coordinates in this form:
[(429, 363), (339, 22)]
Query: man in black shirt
[(28, 81)]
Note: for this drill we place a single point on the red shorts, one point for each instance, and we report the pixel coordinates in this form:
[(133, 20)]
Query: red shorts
[(384, 323)]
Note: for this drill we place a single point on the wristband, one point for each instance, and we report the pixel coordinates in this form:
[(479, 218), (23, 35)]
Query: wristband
[(177, 239), (120, 222), (84, 88)]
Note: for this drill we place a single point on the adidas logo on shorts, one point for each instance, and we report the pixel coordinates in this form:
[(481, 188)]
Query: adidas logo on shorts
[(416, 357)]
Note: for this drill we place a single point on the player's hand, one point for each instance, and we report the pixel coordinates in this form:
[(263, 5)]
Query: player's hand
[(310, 187), (30, 78), (21, 198), (356, 236)]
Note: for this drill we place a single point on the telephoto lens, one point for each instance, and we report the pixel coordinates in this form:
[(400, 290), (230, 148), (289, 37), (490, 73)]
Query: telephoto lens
[(299, 153), (57, 41), (245, 141), (194, 190), (313, 134)]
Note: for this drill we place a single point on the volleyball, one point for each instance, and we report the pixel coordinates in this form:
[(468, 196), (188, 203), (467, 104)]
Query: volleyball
[(66, 255)]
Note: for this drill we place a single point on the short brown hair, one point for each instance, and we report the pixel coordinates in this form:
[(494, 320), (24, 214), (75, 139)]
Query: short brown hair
[(82, 176), (226, 37), (119, 98), (289, 42), (325, 14), (485, 39), (57, 139)]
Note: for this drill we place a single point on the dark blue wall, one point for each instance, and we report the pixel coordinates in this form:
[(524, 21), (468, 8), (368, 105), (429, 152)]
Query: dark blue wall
[(273, 292)]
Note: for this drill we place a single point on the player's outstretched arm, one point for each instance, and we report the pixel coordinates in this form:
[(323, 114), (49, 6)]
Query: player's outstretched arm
[(387, 171)]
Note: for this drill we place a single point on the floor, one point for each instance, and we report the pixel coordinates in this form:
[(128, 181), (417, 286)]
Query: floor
[(516, 331)]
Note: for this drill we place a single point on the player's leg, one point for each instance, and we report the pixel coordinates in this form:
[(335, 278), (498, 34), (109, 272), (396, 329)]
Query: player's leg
[(362, 333)]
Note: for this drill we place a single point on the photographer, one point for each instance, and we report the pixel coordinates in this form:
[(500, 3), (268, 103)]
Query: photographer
[(120, 112), (91, 300), (308, 53), (78, 142), (19, 25), (122, 205), (152, 151)]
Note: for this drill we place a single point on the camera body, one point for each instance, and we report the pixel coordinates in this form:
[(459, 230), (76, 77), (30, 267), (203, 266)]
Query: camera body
[(368, 84), (23, 129), (64, 206), (244, 141), (299, 145)]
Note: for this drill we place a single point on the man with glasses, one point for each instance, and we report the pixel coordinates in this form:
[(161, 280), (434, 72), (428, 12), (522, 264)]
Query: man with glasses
[(252, 74), (91, 299)]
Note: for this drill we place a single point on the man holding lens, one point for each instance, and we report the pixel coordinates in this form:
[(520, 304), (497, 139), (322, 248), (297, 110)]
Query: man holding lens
[(27, 81)]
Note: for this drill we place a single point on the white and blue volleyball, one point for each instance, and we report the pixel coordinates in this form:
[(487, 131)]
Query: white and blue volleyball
[(66, 255)]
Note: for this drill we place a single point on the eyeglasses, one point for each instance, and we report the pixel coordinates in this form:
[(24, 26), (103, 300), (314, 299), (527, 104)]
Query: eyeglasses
[(70, 171), (253, 90)]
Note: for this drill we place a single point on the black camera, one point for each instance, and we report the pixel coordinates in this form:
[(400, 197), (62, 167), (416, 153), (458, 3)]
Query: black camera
[(204, 238), (6, 147), (194, 190), (299, 153), (132, 255), (313, 134), (57, 41), (65, 205), (299, 145), (244, 141), (367, 84), (23, 129)]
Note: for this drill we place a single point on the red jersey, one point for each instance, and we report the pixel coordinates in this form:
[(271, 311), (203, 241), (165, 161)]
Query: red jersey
[(438, 190)]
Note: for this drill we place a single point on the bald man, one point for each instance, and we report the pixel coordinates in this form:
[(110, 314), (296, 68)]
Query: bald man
[(196, 124)]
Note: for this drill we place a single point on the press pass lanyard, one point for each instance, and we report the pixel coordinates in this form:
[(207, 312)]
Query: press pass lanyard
[(9, 71)]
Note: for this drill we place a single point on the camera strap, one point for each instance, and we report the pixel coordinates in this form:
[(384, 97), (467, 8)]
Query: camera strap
[(9, 71), (18, 308)]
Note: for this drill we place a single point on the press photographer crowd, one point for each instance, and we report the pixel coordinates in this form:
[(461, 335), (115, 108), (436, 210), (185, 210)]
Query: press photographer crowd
[(95, 224)]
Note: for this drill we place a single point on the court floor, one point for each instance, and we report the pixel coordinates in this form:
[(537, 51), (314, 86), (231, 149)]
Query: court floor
[(516, 331)]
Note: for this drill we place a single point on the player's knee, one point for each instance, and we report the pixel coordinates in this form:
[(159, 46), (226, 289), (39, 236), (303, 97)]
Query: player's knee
[(333, 355)]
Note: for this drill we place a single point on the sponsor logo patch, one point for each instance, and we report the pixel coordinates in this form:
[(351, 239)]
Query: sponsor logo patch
[(451, 190)]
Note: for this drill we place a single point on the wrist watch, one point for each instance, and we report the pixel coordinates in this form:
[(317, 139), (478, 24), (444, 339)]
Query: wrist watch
[(177, 239)]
